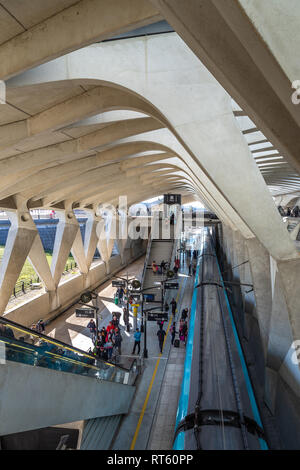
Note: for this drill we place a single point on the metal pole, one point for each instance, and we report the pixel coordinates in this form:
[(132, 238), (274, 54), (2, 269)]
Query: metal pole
[(142, 313), (145, 338), (127, 306), (97, 310)]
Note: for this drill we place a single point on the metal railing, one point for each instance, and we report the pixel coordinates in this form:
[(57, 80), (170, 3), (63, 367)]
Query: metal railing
[(23, 286), (26, 346), (146, 259)]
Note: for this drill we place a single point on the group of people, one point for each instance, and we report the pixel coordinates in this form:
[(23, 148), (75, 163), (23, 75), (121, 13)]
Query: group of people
[(183, 328), (107, 339), (289, 212), (159, 268), (163, 266)]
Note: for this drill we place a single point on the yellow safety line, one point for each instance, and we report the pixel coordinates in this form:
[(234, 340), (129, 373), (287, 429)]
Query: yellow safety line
[(132, 446)]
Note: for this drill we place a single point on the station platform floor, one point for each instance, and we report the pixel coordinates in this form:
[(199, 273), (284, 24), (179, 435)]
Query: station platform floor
[(150, 423)]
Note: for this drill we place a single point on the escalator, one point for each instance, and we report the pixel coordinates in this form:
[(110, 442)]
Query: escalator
[(45, 382)]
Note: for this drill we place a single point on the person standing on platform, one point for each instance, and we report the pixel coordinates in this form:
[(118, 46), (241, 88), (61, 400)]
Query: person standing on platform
[(173, 332), (103, 335), (183, 332), (161, 336), (93, 329), (121, 294), (109, 345), (137, 341), (184, 313), (174, 306), (117, 340)]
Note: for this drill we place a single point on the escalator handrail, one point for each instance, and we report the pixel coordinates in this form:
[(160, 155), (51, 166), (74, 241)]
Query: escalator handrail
[(61, 343)]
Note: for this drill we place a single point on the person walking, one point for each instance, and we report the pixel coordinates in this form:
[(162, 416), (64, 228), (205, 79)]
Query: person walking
[(173, 332), (161, 336), (93, 329), (174, 306), (137, 341), (163, 266), (184, 313)]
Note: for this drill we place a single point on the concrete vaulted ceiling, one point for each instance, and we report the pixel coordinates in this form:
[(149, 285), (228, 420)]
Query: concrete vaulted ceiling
[(52, 155), (83, 125)]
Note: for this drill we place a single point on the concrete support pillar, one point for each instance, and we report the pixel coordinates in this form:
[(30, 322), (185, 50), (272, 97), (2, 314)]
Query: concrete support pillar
[(102, 244), (78, 253), (259, 262), (295, 231), (289, 272), (66, 232), (21, 236), (39, 262), (122, 234), (91, 237)]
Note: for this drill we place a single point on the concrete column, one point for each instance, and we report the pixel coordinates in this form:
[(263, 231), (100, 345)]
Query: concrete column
[(66, 232), (91, 237), (39, 262), (102, 244), (289, 273), (21, 236), (122, 234), (259, 262), (78, 252)]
